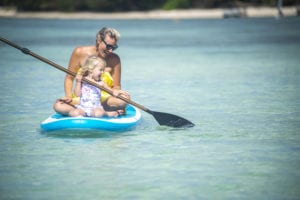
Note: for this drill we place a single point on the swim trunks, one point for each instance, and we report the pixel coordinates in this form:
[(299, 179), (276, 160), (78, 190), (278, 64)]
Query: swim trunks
[(106, 77)]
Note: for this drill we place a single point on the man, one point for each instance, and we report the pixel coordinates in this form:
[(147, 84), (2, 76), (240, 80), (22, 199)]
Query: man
[(106, 43)]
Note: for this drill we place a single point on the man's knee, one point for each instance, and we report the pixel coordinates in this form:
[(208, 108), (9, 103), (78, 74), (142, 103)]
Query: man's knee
[(62, 108)]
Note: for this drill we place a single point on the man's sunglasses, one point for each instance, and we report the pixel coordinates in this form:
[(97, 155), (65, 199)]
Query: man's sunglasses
[(110, 47)]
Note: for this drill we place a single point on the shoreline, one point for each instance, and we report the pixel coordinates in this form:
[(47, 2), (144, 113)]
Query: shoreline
[(218, 13)]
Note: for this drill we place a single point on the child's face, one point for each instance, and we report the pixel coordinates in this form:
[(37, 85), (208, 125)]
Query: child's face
[(98, 70)]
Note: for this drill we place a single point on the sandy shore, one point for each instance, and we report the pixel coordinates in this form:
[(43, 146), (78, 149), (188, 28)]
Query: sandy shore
[(157, 14)]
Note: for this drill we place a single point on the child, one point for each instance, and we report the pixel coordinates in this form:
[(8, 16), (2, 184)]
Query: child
[(90, 104)]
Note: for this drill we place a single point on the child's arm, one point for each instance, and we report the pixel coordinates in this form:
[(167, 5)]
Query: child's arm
[(78, 85)]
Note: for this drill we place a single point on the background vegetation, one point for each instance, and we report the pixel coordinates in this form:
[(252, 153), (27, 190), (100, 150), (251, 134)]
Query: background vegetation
[(132, 5)]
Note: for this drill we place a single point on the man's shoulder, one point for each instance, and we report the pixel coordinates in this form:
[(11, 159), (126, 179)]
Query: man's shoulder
[(84, 50)]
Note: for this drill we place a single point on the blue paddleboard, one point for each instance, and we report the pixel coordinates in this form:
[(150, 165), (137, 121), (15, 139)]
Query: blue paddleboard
[(121, 123)]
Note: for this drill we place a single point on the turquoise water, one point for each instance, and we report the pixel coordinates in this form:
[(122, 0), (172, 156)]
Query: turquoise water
[(237, 80)]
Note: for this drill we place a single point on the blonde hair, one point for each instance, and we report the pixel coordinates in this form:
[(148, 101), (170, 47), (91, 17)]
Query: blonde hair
[(90, 64)]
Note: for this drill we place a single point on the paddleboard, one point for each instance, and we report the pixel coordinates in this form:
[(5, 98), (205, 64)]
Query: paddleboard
[(121, 123)]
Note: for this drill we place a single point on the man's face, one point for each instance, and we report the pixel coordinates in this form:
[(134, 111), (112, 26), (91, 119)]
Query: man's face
[(107, 46)]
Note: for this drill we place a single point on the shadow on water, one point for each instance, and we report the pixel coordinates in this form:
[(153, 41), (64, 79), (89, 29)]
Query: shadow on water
[(172, 129), (82, 134), (94, 134)]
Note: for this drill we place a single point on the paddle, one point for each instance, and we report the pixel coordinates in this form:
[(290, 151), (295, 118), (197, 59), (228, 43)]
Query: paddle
[(164, 119)]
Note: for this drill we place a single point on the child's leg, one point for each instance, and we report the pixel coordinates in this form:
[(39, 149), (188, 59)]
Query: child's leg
[(76, 112), (98, 112)]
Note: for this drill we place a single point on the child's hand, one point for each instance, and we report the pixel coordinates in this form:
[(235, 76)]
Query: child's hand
[(78, 77), (101, 83)]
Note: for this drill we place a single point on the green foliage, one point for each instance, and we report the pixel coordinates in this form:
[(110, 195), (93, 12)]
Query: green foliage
[(66, 5), (130, 5), (174, 4)]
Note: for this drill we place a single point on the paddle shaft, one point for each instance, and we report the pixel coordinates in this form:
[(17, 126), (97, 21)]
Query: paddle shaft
[(28, 52)]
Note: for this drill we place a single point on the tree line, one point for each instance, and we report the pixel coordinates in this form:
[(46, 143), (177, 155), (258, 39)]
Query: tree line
[(132, 5)]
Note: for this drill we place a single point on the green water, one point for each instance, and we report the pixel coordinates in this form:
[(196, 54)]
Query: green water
[(237, 80)]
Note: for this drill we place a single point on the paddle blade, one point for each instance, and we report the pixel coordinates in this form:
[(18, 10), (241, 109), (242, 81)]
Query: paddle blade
[(166, 119)]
